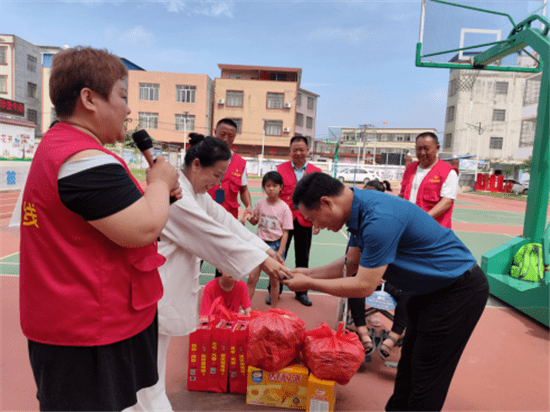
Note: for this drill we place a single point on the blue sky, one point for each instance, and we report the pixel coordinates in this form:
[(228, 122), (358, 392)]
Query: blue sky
[(357, 55)]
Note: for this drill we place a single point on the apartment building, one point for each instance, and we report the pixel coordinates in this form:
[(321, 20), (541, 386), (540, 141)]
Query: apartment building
[(268, 106), (306, 113), (20, 76), (387, 146), (484, 114), (529, 117), (170, 105)]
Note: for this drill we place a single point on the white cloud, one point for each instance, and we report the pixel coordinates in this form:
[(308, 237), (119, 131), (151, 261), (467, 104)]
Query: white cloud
[(174, 6), (215, 8), (209, 8), (136, 36), (355, 35)]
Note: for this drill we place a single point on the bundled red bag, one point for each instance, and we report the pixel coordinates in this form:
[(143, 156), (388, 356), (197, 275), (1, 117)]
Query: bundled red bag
[(333, 355), (274, 339), (219, 311)]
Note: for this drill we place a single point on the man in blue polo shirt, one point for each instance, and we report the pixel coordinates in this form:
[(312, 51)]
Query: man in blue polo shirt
[(396, 239)]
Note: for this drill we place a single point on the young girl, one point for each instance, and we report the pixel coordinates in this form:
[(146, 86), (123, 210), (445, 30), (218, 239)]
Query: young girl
[(274, 219), (234, 292)]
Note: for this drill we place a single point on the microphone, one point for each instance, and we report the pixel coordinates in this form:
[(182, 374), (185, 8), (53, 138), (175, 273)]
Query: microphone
[(145, 145)]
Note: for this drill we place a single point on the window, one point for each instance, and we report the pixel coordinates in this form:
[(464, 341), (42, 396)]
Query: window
[(234, 99), (298, 99), (496, 143), (31, 90), (275, 100), (399, 137), (148, 91), (499, 115), (280, 77), (3, 55), (32, 116), (452, 87), (185, 123), (531, 92), (310, 103), (239, 123), (274, 128), (31, 63), (448, 142), (3, 84), (309, 122), (299, 119), (450, 114), (501, 88), (148, 120), (527, 136), (234, 75), (186, 94)]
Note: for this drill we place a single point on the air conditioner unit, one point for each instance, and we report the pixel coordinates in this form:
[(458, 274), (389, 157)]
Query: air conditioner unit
[(288, 105), (221, 101), (286, 129)]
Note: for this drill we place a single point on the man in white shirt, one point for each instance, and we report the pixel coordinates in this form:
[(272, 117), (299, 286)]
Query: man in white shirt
[(430, 182)]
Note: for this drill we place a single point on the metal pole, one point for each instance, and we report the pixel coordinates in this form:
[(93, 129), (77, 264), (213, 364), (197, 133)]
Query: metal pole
[(185, 132), (261, 162), (375, 145)]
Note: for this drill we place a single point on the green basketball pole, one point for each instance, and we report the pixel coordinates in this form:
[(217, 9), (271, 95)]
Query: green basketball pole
[(530, 298)]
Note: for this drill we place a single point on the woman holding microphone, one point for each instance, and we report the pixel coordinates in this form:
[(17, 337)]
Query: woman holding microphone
[(89, 283)]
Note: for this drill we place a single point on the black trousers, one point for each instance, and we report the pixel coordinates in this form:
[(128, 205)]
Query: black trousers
[(302, 245), (440, 325), (95, 378), (400, 318)]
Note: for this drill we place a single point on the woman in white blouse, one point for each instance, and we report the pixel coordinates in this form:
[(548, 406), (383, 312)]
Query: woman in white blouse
[(200, 229)]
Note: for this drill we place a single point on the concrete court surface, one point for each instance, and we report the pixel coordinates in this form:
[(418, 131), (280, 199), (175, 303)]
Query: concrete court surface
[(504, 367)]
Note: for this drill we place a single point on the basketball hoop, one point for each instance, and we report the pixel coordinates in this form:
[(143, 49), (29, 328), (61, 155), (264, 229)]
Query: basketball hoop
[(467, 79)]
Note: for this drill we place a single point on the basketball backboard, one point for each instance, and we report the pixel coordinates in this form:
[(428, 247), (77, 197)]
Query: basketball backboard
[(454, 32)]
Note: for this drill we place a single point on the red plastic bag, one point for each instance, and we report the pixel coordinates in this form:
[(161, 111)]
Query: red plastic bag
[(333, 355), (274, 339), (218, 310)]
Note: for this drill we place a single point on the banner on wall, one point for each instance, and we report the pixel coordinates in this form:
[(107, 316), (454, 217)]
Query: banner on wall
[(16, 140)]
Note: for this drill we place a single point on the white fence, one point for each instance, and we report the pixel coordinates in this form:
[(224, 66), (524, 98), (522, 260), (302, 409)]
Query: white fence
[(383, 172)]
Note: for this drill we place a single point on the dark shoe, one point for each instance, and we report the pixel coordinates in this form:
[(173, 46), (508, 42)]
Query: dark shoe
[(383, 349), (304, 300), (268, 300), (368, 346)]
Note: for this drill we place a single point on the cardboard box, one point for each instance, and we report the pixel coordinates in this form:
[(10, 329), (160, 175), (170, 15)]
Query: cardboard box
[(321, 395), (286, 388)]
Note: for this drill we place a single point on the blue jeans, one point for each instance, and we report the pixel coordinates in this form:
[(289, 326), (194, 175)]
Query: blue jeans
[(276, 245)]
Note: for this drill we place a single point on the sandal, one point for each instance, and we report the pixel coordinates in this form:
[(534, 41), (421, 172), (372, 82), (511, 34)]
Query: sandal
[(383, 349), (374, 320), (367, 345)]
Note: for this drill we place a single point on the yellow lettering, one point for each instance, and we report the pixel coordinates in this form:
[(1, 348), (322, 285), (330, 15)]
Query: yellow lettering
[(29, 214)]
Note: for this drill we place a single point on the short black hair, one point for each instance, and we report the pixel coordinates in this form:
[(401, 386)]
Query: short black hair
[(207, 149), (227, 121), (378, 185), (429, 134), (312, 187), (298, 139), (273, 176)]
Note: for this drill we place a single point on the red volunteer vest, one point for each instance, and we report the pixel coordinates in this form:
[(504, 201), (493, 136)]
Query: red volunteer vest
[(289, 183), (430, 189), (231, 184), (77, 287)]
